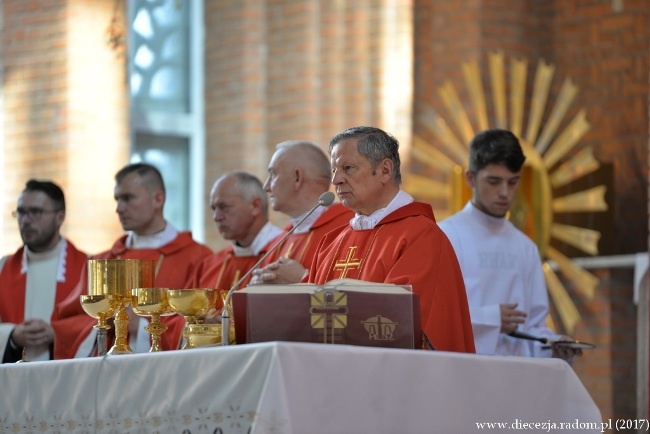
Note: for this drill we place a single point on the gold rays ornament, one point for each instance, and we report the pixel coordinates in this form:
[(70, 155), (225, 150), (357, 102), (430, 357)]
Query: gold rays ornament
[(552, 162)]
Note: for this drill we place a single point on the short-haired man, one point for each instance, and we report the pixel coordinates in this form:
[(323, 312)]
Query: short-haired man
[(38, 276), (500, 264), (240, 210), (299, 173), (140, 197), (391, 239)]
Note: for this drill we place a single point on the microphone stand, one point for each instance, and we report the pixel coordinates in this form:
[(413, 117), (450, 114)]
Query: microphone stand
[(325, 199)]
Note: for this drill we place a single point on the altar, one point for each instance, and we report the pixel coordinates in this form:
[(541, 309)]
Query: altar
[(293, 388)]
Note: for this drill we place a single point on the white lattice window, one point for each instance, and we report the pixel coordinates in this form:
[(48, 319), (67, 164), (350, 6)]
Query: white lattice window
[(166, 96)]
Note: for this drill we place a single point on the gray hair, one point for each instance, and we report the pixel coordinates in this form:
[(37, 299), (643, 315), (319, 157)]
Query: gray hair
[(249, 187), (373, 144)]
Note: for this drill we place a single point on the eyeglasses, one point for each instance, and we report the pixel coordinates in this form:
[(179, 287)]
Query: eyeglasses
[(33, 213)]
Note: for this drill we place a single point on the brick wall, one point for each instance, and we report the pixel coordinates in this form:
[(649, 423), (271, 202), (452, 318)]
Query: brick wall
[(280, 70), (606, 54), (64, 113)]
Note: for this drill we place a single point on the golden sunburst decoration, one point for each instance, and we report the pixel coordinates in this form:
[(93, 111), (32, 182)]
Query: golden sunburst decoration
[(545, 142)]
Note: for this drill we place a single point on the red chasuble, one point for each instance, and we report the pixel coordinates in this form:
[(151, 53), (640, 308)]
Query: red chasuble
[(223, 269), (406, 248), (13, 281), (176, 262), (302, 247)]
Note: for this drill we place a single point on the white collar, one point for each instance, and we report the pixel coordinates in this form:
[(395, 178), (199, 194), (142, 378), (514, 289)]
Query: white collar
[(60, 250), (309, 221), (153, 241), (365, 222), (267, 234), (485, 218)]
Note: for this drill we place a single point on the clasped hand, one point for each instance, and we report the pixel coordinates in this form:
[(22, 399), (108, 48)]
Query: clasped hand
[(33, 332)]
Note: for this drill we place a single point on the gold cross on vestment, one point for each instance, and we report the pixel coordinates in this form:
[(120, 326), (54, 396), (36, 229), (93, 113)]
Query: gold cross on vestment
[(349, 263)]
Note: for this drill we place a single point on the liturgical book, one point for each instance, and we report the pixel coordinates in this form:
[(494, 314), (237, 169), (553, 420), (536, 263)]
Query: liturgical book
[(343, 311)]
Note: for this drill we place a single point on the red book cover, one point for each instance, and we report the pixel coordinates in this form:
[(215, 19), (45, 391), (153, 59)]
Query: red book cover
[(340, 312)]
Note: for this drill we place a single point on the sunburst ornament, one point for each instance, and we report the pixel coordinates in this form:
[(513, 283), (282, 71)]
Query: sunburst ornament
[(545, 145)]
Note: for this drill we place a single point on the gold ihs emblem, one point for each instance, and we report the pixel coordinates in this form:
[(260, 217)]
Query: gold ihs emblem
[(380, 328)]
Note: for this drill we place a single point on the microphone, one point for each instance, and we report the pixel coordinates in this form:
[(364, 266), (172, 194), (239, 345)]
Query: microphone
[(324, 199)]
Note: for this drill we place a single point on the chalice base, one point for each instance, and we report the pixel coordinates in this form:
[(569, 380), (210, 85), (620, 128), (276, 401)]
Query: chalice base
[(121, 345)]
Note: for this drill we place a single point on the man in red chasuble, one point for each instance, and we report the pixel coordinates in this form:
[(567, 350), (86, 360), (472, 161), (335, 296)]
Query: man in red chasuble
[(299, 173), (240, 210), (391, 239), (140, 198), (38, 276)]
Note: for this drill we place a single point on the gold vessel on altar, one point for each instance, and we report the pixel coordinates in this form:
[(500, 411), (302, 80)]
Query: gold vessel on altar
[(196, 304), (115, 279), (154, 303), (99, 306), (201, 335)]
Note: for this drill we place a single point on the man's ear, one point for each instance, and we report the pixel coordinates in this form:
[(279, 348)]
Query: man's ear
[(256, 206), (385, 170), (469, 178), (298, 178), (158, 198)]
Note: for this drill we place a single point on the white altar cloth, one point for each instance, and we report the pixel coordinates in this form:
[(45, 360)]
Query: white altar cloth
[(293, 388)]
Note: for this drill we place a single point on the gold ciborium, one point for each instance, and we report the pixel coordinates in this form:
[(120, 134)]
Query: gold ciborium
[(195, 305), (152, 302), (116, 278), (201, 335), (100, 307)]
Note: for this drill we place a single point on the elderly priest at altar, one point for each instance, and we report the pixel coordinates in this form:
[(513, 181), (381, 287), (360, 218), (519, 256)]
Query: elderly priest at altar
[(391, 239)]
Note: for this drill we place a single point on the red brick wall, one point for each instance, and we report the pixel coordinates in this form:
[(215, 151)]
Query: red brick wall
[(64, 113), (279, 70), (606, 53)]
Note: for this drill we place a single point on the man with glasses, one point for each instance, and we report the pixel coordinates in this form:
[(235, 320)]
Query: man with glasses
[(39, 276)]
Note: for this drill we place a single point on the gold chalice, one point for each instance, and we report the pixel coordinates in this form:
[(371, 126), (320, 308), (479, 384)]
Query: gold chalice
[(195, 305), (116, 279), (152, 302), (100, 307)]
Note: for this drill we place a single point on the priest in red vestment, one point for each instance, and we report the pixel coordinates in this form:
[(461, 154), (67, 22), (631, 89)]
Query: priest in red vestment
[(240, 210), (391, 239), (140, 196), (38, 276), (299, 173)]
